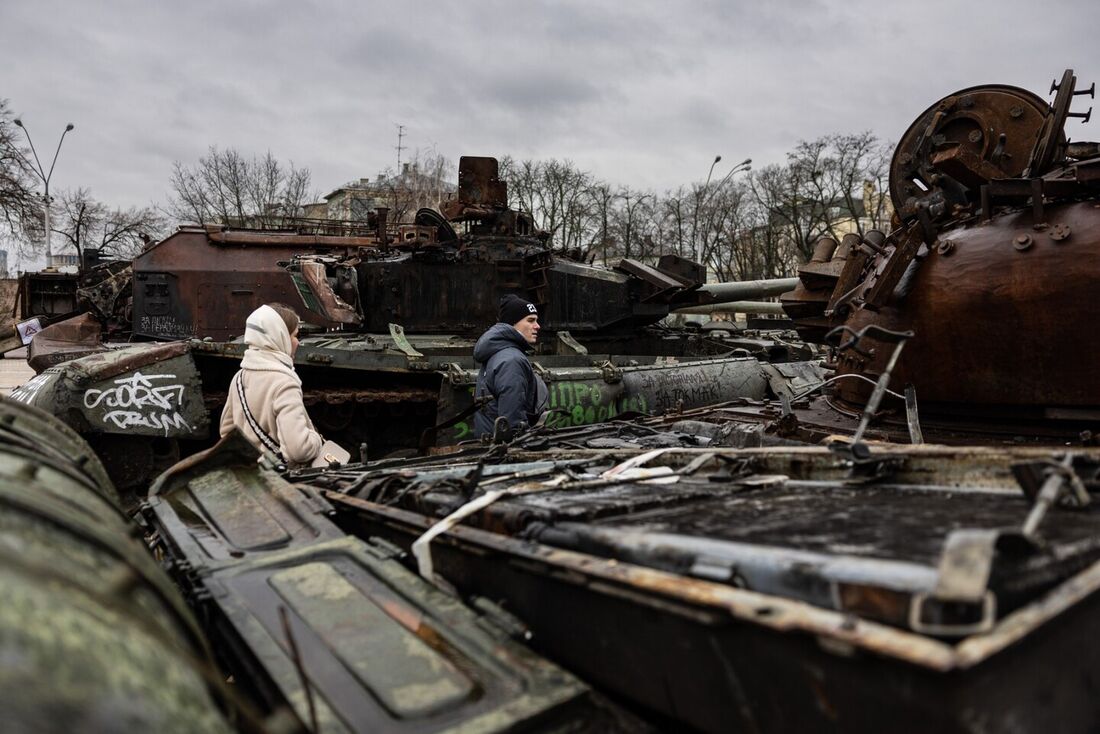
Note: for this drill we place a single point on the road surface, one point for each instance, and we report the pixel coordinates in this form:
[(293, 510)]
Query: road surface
[(14, 371)]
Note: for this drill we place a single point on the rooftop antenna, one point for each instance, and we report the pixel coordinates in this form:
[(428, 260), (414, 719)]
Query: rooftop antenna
[(400, 147)]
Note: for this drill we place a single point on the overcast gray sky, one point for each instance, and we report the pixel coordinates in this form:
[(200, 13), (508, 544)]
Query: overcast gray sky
[(640, 93)]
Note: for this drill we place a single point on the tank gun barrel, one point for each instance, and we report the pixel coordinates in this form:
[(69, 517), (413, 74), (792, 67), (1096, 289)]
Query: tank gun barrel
[(767, 307), (744, 290)]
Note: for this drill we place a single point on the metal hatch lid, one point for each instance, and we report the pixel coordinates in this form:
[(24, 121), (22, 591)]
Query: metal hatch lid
[(382, 649), (219, 507)]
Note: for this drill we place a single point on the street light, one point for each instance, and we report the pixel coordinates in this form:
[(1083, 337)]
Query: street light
[(745, 165), (45, 176), (717, 159), (702, 196)]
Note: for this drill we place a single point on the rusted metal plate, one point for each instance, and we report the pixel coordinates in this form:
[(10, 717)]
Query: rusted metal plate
[(997, 327), (719, 657), (200, 283), (63, 341)]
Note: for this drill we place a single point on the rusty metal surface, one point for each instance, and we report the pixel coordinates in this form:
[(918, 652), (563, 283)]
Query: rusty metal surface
[(120, 361), (199, 283), (479, 185), (804, 523), (967, 124), (990, 268), (717, 656), (47, 293), (63, 341), (991, 318)]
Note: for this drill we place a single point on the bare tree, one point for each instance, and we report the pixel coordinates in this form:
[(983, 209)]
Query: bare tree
[(853, 172), (758, 227), (16, 184), (424, 181), (829, 186), (563, 199), (636, 225), (224, 187), (602, 200), (84, 222)]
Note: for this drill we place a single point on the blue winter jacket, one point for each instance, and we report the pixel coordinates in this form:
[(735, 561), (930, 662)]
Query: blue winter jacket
[(506, 375)]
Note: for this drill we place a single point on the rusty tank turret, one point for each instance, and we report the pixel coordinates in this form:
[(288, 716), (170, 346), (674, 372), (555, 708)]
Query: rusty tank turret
[(992, 266)]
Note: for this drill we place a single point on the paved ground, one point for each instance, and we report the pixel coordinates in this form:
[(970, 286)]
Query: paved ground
[(14, 371)]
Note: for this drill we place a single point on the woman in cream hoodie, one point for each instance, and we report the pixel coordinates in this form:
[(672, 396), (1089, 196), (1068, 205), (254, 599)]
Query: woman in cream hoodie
[(271, 389)]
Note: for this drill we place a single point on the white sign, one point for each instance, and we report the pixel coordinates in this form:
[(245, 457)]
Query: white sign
[(27, 330)]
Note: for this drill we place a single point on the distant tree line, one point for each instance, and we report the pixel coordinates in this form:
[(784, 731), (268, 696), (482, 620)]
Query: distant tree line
[(759, 224), (225, 187)]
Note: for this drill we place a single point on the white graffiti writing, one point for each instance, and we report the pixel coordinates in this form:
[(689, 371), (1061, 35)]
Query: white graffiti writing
[(133, 419), (165, 326), (135, 402)]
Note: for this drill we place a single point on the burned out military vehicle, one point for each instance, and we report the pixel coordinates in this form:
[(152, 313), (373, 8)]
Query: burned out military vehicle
[(988, 283), (391, 312), (443, 274)]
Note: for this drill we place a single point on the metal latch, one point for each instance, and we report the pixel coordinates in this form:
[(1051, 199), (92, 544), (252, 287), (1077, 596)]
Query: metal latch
[(1047, 483), (922, 603), (610, 373), (397, 333)]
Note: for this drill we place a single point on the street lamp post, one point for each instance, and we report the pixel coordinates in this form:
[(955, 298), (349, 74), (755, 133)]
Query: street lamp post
[(45, 176), (745, 165), (703, 196)]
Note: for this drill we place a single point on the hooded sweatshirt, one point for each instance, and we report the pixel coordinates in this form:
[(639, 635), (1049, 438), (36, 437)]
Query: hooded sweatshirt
[(273, 391), (507, 377)]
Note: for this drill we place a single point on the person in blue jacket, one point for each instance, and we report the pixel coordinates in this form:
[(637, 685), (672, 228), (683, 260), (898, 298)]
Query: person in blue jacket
[(506, 375)]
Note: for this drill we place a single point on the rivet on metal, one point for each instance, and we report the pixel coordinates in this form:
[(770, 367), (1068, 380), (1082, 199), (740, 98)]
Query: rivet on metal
[(1016, 112), (1022, 242), (946, 247)]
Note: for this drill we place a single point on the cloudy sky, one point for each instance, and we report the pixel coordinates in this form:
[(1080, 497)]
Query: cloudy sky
[(640, 93)]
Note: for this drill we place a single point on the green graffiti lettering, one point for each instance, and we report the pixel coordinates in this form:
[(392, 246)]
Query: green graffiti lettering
[(590, 415)]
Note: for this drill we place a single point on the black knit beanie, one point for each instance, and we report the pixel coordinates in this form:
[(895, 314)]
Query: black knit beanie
[(514, 309)]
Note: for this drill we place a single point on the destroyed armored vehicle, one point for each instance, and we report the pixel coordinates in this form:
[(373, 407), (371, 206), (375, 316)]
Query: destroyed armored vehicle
[(390, 315), (981, 305), (444, 274), (779, 589)]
